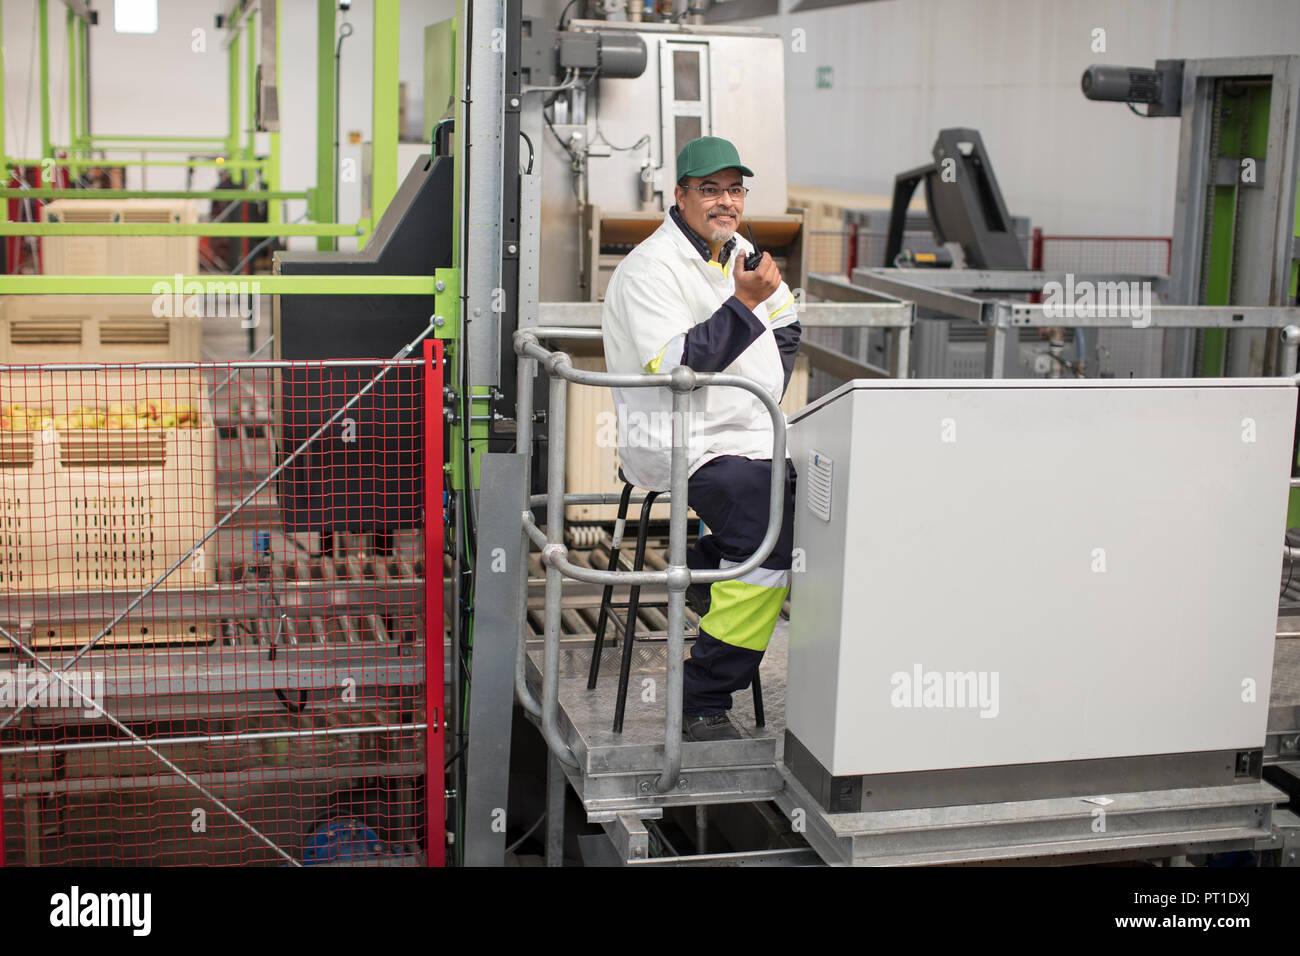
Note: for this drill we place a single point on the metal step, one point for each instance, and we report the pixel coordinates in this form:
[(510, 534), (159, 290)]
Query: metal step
[(617, 772)]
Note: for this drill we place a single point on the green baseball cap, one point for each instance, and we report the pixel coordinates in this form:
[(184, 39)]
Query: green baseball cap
[(708, 154)]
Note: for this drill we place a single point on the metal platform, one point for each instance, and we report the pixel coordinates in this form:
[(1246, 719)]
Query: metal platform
[(617, 772), (616, 786), (1068, 830)]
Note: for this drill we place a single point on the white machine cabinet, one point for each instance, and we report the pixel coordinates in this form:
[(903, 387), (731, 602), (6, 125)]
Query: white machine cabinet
[(1014, 590)]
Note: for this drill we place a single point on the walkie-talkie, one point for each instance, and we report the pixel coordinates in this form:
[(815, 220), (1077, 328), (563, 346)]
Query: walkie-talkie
[(754, 258)]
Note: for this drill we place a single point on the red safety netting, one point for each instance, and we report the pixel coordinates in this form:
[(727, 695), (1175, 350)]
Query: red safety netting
[(213, 629)]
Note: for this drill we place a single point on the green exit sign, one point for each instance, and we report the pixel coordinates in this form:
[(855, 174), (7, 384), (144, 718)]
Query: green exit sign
[(824, 76)]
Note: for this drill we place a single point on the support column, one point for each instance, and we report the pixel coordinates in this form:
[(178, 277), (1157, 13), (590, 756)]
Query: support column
[(326, 94), (384, 131)]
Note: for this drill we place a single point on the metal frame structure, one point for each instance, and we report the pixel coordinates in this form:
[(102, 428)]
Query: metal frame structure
[(677, 577), (247, 23), (954, 293), (251, 91)]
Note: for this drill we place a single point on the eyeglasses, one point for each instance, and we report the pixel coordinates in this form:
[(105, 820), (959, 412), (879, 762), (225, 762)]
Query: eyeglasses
[(709, 191)]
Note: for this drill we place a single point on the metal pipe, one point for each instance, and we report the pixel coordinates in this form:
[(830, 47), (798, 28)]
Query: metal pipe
[(1291, 349), (19, 749), (565, 332), (555, 785), (679, 576), (524, 443), (600, 498), (204, 366), (554, 576)]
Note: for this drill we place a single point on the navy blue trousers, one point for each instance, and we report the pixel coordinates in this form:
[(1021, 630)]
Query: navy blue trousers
[(731, 494)]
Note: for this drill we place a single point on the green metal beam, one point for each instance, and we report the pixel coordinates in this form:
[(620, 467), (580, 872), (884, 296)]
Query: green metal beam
[(83, 67), (266, 285), (250, 42), (258, 195), (384, 131), (43, 14), (258, 229), (232, 83), (235, 163), (72, 80), (326, 170), (274, 208), (156, 139), (210, 149)]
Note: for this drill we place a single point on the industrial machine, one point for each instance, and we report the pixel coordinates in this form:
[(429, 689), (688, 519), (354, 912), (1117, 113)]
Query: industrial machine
[(1044, 672), (874, 782), (955, 684)]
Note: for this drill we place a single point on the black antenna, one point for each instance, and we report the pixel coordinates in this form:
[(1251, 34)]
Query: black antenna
[(754, 258)]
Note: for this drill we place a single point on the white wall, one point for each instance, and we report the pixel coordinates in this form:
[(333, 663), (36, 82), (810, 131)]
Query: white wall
[(158, 84), (904, 69)]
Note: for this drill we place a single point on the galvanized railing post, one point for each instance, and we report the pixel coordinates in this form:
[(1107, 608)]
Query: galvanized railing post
[(678, 575), (524, 445), (1291, 348), (554, 548)]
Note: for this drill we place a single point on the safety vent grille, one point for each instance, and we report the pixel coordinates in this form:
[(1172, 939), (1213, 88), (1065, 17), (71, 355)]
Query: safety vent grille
[(17, 451), (104, 449), (149, 215), (84, 215), (819, 485), (135, 332), (45, 332)]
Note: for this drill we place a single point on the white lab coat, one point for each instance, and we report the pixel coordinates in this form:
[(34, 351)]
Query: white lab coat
[(659, 291)]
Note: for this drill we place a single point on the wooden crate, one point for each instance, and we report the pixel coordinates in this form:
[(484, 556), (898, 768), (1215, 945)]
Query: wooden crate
[(592, 466), (120, 255), (36, 329), (100, 508)]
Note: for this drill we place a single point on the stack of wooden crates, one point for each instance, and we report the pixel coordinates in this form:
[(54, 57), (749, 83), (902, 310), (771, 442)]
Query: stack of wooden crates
[(106, 501)]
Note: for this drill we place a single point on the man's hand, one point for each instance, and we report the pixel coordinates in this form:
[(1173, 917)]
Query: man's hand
[(754, 288)]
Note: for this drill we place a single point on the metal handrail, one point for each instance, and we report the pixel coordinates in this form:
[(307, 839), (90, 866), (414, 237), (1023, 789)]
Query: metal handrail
[(682, 381)]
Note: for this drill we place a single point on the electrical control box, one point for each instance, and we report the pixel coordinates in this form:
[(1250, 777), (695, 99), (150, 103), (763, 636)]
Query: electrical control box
[(1070, 584)]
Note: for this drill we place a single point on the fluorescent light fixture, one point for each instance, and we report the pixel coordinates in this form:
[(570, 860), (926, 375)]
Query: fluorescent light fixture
[(135, 16)]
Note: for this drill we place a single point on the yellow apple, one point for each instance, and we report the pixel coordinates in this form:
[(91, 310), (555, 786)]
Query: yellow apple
[(168, 421)]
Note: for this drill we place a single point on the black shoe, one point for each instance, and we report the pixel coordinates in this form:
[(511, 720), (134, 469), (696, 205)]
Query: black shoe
[(712, 727)]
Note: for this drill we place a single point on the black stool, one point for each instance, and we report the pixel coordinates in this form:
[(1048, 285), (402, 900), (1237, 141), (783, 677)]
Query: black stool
[(632, 605)]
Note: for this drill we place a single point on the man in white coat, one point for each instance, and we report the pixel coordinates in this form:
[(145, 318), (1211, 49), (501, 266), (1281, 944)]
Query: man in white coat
[(684, 297)]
